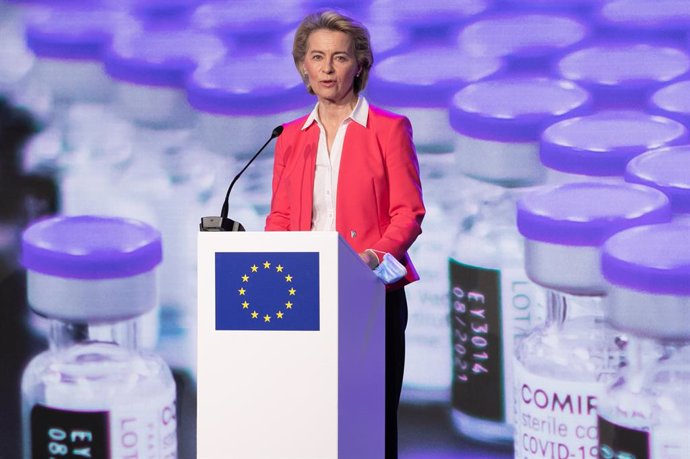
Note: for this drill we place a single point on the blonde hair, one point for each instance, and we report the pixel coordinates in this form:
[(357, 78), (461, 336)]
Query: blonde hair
[(335, 21)]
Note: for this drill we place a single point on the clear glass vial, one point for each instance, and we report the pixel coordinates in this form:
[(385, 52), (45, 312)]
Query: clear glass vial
[(93, 393), (167, 183), (561, 367), (419, 84), (645, 413), (427, 347), (497, 124), (237, 105)]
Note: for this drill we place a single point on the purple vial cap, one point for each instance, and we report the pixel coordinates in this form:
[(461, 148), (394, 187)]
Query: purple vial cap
[(643, 18), (588, 213), (623, 74), (673, 101), (163, 58), (161, 9), (515, 109), (427, 76), (653, 259), (247, 24), (90, 247), (602, 144), (528, 41), (430, 20), (262, 85), (352, 8), (71, 31), (574, 6), (667, 170)]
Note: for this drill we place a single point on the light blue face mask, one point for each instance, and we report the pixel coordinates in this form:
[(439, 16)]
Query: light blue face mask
[(390, 270)]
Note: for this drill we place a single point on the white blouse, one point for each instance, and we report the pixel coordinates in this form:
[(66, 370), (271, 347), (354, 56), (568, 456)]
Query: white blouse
[(328, 166)]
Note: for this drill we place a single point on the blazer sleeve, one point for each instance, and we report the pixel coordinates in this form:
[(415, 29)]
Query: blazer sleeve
[(406, 206), (278, 218)]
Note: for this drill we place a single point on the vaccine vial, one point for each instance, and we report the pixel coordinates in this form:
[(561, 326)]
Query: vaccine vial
[(529, 42), (623, 75), (238, 104), (667, 170), (672, 101), (663, 21), (167, 183), (67, 40), (497, 124), (427, 347), (600, 145), (93, 393), (645, 411), (420, 82), (562, 367)]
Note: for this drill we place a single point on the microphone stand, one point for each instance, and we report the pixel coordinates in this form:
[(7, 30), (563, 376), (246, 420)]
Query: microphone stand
[(223, 223)]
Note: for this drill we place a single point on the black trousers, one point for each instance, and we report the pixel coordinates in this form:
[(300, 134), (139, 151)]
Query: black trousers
[(396, 321)]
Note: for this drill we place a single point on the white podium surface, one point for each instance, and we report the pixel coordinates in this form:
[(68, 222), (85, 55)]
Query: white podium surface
[(291, 340)]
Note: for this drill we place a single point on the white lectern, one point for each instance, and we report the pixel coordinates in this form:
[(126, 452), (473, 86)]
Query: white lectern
[(290, 348)]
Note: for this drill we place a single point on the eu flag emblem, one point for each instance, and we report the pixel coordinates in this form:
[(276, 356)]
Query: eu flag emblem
[(267, 291)]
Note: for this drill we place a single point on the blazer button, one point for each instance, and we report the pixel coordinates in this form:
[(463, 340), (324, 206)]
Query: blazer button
[(353, 234)]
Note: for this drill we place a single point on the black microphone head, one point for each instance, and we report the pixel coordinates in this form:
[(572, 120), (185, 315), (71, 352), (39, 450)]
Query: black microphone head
[(277, 131)]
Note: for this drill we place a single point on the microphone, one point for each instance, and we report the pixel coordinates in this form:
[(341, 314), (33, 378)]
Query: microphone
[(223, 223)]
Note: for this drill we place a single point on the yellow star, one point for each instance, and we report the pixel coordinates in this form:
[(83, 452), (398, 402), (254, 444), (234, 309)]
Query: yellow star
[(279, 314), (292, 291), (245, 305), (267, 318), (245, 278), (255, 314), (266, 265), (254, 268), (288, 278), (288, 305), (279, 269), (241, 291)]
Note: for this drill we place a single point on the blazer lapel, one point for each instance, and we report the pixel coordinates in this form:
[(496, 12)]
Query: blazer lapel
[(306, 198)]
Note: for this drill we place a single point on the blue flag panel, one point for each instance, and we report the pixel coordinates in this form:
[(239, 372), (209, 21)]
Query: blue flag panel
[(267, 291)]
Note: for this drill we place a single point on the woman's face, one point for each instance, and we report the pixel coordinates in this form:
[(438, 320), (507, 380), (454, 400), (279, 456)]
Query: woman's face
[(330, 65)]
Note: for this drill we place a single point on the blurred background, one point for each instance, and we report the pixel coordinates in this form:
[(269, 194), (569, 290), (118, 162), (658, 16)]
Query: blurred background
[(148, 108)]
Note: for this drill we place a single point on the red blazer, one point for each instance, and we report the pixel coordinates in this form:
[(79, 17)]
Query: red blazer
[(379, 199)]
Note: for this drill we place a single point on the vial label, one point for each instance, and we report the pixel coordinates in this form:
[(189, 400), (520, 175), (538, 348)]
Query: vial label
[(621, 442), (68, 434), (554, 419), (491, 311), (670, 443), (478, 373), (146, 429)]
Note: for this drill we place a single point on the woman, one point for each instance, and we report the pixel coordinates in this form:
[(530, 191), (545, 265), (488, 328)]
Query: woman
[(352, 168)]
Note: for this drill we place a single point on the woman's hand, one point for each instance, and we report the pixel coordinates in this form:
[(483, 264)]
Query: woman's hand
[(370, 258)]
